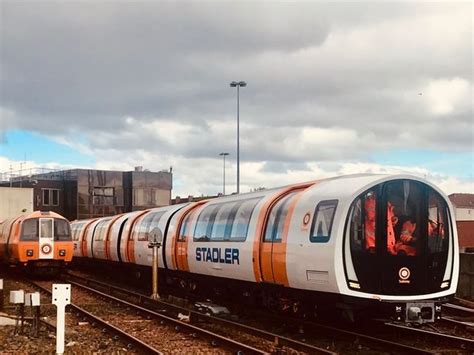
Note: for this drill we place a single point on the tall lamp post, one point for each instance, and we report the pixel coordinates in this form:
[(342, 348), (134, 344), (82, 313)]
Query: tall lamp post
[(223, 155), (238, 85)]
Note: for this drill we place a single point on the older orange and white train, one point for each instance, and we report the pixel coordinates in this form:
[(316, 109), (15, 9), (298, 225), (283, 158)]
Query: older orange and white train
[(353, 241), (39, 241)]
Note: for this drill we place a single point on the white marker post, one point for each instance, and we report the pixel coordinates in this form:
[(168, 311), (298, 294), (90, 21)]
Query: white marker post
[(61, 298)]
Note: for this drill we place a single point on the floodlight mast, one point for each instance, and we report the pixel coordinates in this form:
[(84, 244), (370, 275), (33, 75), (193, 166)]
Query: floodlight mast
[(238, 85)]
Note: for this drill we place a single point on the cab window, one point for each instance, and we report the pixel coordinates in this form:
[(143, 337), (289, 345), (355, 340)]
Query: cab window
[(322, 221), (438, 232), (29, 230), (404, 214), (62, 230)]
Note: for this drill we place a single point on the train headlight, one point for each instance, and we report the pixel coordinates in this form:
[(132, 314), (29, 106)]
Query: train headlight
[(445, 284), (29, 252), (62, 252)]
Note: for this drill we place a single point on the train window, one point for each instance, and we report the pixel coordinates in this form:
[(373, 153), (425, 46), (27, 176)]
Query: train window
[(363, 223), (322, 221), (46, 228), (101, 229), (29, 230), (221, 221), (184, 227), (276, 220), (151, 219), (204, 223), (61, 230), (241, 222), (403, 217), (438, 232)]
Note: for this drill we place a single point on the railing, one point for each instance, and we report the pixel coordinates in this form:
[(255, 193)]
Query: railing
[(35, 174)]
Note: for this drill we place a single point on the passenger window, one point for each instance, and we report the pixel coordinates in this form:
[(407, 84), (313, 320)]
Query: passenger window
[(322, 221), (101, 229), (225, 221), (276, 220), (220, 222), (242, 220), (151, 219), (203, 229), (438, 232), (184, 227)]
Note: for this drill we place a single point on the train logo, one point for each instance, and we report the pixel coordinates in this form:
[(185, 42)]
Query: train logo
[(46, 249), (404, 274), (306, 218)]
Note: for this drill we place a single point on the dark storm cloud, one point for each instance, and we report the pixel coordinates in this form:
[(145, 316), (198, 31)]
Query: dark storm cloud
[(354, 70)]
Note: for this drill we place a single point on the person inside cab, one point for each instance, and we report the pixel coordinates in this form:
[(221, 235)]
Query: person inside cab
[(370, 224)]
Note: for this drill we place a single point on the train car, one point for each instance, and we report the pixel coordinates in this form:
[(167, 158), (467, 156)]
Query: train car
[(381, 243), (39, 241)]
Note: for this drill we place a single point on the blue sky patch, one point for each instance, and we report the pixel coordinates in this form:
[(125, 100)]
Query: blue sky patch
[(457, 164), (40, 149)]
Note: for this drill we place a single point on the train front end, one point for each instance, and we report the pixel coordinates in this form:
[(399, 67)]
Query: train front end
[(400, 249), (44, 242)]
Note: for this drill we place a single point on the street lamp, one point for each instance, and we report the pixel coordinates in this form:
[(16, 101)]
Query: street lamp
[(238, 84), (223, 171)]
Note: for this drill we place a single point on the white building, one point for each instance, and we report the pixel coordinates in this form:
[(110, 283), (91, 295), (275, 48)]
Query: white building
[(15, 201)]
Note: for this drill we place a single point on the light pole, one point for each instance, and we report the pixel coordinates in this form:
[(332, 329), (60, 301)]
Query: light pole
[(238, 84), (223, 171)]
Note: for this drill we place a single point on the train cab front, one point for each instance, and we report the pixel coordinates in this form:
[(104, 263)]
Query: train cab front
[(399, 248), (45, 242)]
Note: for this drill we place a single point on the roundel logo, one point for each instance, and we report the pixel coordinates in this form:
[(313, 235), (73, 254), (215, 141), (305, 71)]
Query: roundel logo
[(306, 218), (46, 249), (404, 273)]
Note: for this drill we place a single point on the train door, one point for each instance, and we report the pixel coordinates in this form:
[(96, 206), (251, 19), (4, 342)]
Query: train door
[(273, 245), (183, 235), (46, 238)]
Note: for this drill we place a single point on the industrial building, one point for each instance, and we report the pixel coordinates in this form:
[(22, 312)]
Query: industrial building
[(87, 193)]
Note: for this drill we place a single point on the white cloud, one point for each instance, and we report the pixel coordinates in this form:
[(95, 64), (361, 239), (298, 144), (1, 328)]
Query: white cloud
[(447, 96)]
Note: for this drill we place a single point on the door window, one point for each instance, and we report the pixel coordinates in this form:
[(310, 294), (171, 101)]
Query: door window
[(46, 228)]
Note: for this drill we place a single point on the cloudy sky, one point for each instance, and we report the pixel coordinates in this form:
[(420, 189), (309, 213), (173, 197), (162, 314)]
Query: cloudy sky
[(333, 88)]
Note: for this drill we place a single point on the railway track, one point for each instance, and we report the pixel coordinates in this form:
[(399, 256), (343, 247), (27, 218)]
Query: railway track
[(144, 329), (241, 332), (334, 334), (457, 342)]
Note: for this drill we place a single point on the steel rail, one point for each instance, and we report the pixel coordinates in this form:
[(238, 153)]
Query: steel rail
[(457, 322), (371, 339), (281, 340), (233, 344), (462, 343), (137, 343), (463, 311)]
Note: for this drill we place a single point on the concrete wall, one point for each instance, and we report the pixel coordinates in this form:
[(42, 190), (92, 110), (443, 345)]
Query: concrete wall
[(466, 277), (13, 201)]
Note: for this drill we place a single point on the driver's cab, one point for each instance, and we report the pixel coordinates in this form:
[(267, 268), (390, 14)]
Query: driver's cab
[(399, 239)]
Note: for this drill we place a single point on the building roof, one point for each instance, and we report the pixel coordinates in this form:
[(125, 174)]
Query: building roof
[(462, 200)]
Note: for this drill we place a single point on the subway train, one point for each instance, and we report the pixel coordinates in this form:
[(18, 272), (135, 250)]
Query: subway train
[(39, 241), (362, 243)]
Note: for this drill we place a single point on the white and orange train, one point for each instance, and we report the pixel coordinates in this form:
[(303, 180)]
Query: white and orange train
[(40, 241), (354, 241)]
